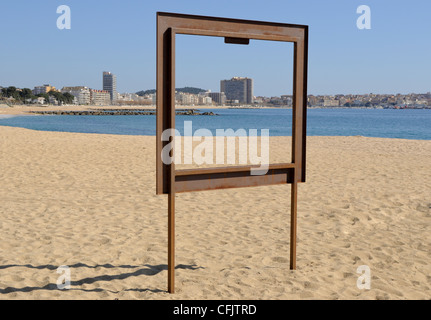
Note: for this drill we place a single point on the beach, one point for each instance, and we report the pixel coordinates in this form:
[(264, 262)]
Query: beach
[(88, 202)]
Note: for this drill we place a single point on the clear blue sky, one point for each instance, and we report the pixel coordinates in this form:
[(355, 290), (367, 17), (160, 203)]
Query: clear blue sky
[(120, 36)]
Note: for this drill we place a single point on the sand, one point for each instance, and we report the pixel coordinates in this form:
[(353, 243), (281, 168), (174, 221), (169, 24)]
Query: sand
[(88, 202)]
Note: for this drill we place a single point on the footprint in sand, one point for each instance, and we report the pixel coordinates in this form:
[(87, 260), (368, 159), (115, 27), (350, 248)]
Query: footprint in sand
[(279, 259), (356, 259)]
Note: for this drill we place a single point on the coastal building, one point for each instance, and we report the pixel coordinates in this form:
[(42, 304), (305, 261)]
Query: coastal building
[(43, 89), (312, 100), (217, 97), (81, 94), (190, 99), (38, 100), (52, 100), (100, 97), (110, 84), (205, 100), (133, 99), (331, 102), (287, 100), (185, 99), (238, 88), (258, 100)]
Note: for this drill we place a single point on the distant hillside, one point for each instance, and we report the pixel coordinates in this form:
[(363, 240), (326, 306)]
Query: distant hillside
[(143, 93), (192, 90)]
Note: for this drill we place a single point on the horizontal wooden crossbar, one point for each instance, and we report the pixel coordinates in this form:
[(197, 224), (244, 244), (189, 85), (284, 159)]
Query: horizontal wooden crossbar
[(232, 177)]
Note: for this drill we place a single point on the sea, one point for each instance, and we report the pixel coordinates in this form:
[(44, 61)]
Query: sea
[(383, 123)]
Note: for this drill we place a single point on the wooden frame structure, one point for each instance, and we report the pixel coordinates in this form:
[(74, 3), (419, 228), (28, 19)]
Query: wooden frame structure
[(171, 181)]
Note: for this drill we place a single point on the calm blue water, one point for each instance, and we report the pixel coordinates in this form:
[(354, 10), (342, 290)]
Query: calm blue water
[(403, 124)]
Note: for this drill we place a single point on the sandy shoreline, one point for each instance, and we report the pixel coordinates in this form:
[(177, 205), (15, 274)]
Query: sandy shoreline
[(88, 201)]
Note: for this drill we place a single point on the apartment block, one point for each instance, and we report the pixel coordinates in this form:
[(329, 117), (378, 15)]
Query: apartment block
[(81, 93), (100, 97), (238, 88), (217, 97), (43, 89)]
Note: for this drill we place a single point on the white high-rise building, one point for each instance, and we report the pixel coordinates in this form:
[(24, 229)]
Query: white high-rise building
[(110, 84)]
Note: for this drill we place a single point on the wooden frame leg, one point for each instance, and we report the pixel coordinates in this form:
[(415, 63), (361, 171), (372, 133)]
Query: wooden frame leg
[(293, 224), (171, 242)]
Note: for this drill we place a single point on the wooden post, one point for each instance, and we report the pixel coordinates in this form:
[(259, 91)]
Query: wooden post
[(171, 241), (293, 224)]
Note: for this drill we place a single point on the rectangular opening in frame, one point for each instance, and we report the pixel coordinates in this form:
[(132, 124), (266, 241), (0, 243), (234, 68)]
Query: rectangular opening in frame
[(242, 100)]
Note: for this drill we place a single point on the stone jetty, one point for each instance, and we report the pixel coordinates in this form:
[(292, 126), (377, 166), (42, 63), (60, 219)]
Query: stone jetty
[(120, 112)]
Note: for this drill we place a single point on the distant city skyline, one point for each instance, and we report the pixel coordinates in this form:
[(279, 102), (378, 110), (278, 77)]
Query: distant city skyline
[(237, 91), (42, 88), (120, 37)]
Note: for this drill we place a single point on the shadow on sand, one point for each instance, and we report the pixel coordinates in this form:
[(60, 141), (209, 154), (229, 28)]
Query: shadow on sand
[(145, 270)]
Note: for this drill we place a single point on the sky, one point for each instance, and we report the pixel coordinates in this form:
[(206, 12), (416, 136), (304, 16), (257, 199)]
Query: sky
[(120, 36)]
